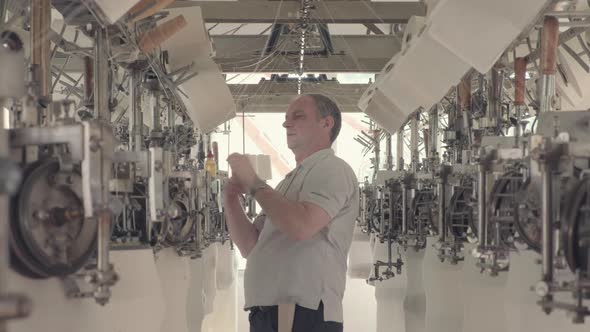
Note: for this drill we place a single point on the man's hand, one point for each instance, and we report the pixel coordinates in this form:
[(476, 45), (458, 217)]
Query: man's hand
[(242, 171), (232, 189)]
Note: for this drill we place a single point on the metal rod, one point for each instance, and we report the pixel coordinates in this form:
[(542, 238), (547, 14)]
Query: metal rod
[(41, 45), (464, 111), (568, 13), (390, 218), (519, 89), (400, 149), (549, 42), (102, 291), (520, 81), (377, 151), (136, 118), (433, 123), (88, 82), (482, 217), (442, 221), (101, 77), (404, 208), (500, 97), (494, 94), (172, 116), (388, 152), (547, 220), (381, 198), (414, 141), (3, 6)]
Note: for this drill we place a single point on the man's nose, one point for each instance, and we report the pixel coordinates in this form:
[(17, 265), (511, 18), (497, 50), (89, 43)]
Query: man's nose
[(286, 124)]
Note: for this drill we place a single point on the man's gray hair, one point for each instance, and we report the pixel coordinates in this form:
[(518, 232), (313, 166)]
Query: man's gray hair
[(327, 107)]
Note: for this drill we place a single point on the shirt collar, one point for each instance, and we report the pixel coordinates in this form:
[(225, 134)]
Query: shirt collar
[(312, 159)]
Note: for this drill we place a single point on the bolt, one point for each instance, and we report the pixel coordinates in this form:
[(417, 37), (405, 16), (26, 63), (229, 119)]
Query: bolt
[(94, 144), (158, 166)]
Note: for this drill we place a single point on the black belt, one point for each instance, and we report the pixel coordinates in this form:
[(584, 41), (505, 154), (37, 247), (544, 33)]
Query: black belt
[(264, 308)]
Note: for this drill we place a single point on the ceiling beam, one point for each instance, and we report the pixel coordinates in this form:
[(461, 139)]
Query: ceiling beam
[(288, 11), (265, 108), (272, 88), (280, 103), (352, 53)]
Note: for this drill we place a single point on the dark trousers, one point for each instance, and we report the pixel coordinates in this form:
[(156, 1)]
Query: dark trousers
[(265, 319)]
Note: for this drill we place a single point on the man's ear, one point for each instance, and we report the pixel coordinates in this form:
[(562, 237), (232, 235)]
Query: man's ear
[(329, 122)]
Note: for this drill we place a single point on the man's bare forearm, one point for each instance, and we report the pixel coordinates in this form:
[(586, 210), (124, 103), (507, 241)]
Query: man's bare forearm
[(242, 232), (289, 216)]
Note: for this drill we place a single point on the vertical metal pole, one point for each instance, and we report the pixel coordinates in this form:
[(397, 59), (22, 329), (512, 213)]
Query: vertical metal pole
[(549, 42), (493, 95), (390, 220), (414, 141), (171, 116), (547, 220), (482, 218), (88, 82), (442, 221), (464, 109), (4, 209), (136, 118), (519, 89), (404, 207), (3, 5), (377, 151), (400, 149), (40, 45), (381, 199), (433, 123), (101, 77), (388, 152), (102, 292), (41, 51)]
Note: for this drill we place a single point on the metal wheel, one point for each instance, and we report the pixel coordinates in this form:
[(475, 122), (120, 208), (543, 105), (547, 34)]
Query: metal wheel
[(528, 224), (576, 227), (503, 206), (50, 234), (460, 213), (181, 222), (423, 213)]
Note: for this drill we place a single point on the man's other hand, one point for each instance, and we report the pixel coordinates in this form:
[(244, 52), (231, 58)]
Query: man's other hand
[(242, 171)]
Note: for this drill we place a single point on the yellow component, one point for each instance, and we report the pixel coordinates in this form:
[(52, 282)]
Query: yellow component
[(210, 165)]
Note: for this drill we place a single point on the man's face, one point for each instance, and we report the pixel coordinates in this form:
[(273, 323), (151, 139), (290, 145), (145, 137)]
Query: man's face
[(303, 124)]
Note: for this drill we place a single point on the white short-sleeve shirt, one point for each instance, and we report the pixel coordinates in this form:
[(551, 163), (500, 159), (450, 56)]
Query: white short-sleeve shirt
[(281, 270)]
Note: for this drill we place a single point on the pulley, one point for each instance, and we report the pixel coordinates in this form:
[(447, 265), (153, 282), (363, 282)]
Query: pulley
[(49, 233)]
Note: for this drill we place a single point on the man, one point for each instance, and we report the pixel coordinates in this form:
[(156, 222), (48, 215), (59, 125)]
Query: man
[(297, 248)]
